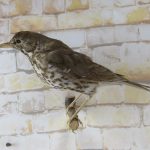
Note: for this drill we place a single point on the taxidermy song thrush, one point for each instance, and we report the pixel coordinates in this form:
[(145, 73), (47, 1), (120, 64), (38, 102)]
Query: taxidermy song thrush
[(61, 67)]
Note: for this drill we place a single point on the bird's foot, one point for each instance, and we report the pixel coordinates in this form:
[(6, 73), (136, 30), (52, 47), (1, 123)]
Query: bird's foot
[(74, 121), (79, 108)]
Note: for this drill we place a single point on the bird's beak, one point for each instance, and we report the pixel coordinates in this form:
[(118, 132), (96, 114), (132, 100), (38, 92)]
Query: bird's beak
[(6, 45)]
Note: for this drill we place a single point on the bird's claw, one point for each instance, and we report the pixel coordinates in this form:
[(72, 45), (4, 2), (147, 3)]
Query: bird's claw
[(73, 121)]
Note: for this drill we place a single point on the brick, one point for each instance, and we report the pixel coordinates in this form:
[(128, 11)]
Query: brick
[(31, 102), (15, 124), (98, 3), (122, 3), (110, 94), (107, 56), (146, 116), (143, 2), (89, 138), (131, 138), (4, 8), (26, 7), (109, 116), (77, 4), (37, 7), (54, 99), (120, 15), (144, 31), (18, 7), (130, 15), (130, 33), (21, 81), (9, 108), (23, 62), (4, 26), (65, 140), (34, 23), (2, 83), (107, 16), (73, 38), (53, 121), (138, 14), (98, 36), (8, 104), (111, 3), (141, 138), (117, 139), (136, 95), (139, 52), (34, 141), (7, 62), (51, 7), (90, 18)]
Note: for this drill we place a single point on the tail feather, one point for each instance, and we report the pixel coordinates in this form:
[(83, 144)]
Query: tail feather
[(145, 87), (132, 83)]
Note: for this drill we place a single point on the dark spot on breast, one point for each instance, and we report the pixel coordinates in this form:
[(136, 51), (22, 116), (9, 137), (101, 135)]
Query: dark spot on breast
[(78, 85), (45, 75), (85, 86), (65, 78), (52, 75), (61, 84), (57, 79), (66, 83)]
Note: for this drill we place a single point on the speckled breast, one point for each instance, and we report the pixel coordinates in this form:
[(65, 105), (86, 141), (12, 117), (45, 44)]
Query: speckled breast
[(56, 78)]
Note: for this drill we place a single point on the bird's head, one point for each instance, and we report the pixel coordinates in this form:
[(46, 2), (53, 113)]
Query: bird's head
[(24, 41)]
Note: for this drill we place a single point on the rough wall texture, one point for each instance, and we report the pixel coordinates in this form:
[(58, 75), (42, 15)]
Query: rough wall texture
[(116, 34)]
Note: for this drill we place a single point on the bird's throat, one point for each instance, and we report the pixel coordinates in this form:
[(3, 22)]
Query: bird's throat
[(29, 54)]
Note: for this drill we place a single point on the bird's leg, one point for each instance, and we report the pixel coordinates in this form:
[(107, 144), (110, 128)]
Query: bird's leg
[(73, 101), (80, 107), (74, 122)]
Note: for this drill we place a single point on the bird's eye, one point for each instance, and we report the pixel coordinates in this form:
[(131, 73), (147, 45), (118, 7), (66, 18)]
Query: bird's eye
[(18, 41)]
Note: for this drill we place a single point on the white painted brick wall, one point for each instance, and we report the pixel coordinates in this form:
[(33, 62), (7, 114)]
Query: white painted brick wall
[(63, 140), (31, 102), (115, 34), (8, 62), (108, 3), (132, 138), (99, 36), (8, 103), (146, 114), (14, 123), (22, 81), (93, 139), (110, 116), (35, 141), (73, 38), (120, 33), (22, 62), (144, 31), (53, 121)]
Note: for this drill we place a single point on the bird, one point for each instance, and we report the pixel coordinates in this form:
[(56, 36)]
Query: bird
[(61, 67)]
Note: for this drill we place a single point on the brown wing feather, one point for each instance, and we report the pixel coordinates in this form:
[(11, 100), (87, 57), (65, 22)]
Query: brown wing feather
[(80, 66)]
